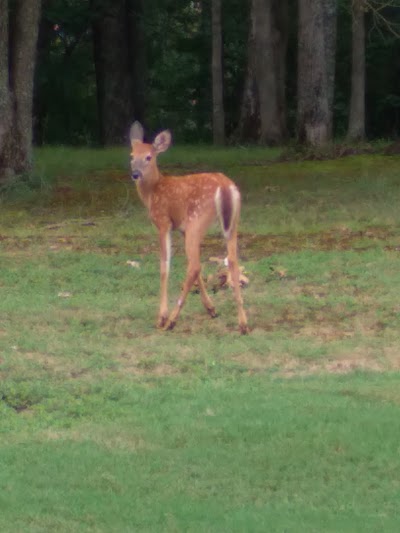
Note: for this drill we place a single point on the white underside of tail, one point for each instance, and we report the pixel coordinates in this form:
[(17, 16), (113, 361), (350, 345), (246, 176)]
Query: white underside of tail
[(235, 198)]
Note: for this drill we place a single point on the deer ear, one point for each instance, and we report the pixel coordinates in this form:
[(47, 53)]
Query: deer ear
[(162, 141), (136, 132)]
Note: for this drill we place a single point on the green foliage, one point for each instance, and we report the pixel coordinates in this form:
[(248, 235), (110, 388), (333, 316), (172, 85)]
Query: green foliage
[(178, 36), (383, 86), (65, 104)]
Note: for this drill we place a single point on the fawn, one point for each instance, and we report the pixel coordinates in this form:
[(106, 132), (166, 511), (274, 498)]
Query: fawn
[(190, 204)]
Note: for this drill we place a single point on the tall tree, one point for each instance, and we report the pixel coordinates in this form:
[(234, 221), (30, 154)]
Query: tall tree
[(120, 86), (263, 109), (356, 126), (137, 56), (217, 74), (39, 99), (19, 23), (315, 76), (330, 30)]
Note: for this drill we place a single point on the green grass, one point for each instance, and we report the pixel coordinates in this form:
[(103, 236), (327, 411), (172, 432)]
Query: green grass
[(107, 424), (206, 455)]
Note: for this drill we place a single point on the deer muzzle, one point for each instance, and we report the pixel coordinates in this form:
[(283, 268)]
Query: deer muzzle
[(136, 174)]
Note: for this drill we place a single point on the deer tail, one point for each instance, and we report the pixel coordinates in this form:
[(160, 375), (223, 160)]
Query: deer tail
[(227, 203)]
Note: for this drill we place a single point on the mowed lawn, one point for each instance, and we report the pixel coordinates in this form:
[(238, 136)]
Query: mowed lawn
[(109, 425)]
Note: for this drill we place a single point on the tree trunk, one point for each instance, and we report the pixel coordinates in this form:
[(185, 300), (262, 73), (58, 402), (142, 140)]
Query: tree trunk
[(280, 40), (266, 75), (17, 63), (263, 110), (330, 26), (119, 55), (217, 74), (315, 72), (137, 57), (356, 128), (250, 122), (40, 100), (5, 94)]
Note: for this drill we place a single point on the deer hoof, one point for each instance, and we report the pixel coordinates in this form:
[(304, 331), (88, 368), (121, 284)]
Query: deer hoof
[(244, 329), (161, 322), (169, 325), (212, 312)]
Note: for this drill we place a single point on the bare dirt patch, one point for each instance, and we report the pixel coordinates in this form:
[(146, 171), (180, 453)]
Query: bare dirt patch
[(113, 439), (142, 365), (48, 364), (54, 238), (255, 246), (287, 366)]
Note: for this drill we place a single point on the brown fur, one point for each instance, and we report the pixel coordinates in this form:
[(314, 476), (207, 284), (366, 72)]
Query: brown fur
[(190, 204)]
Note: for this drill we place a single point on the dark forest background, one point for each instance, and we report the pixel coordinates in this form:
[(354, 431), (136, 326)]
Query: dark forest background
[(101, 64), (78, 72), (155, 58)]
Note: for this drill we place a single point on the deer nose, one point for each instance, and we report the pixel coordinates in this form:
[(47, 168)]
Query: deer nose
[(136, 174)]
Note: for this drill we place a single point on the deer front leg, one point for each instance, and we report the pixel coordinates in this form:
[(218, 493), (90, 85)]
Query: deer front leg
[(165, 261)]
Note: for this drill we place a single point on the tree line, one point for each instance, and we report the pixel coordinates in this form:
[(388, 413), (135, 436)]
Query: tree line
[(240, 71)]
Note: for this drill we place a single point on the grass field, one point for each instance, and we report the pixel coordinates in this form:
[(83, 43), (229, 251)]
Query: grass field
[(109, 425)]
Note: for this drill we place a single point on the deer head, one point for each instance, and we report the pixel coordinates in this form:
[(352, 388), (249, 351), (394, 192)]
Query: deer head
[(144, 156)]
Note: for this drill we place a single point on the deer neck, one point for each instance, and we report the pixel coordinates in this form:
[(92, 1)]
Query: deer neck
[(147, 187)]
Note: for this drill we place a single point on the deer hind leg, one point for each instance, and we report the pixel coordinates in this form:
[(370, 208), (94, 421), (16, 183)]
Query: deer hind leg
[(192, 248), (165, 260), (235, 275), (205, 298)]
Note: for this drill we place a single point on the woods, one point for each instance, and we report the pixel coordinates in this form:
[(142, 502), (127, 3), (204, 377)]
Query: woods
[(17, 62), (264, 71)]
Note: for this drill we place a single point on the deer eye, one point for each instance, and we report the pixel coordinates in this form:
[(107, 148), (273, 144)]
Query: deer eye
[(148, 158)]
